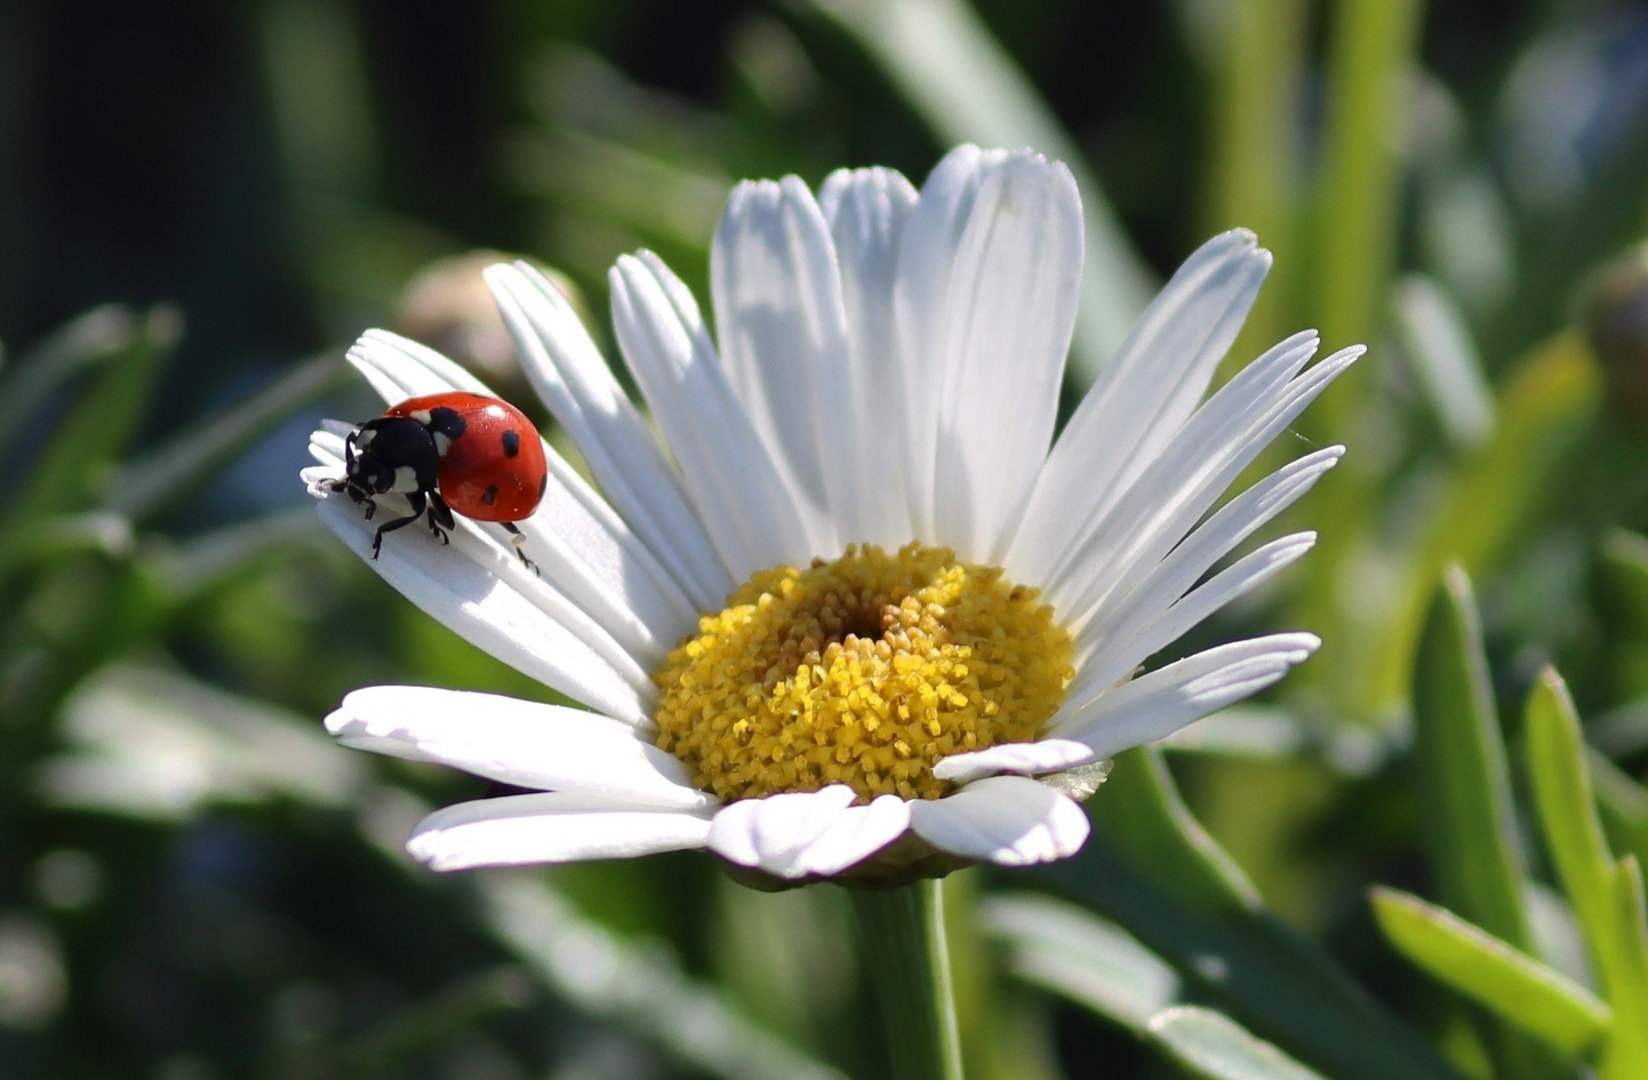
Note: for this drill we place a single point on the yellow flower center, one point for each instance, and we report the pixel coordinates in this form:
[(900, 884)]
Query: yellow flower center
[(864, 671)]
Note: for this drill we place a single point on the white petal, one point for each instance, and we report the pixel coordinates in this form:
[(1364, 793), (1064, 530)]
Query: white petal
[(571, 376), (399, 368), (1125, 612), (866, 210), (783, 334), (926, 253), (989, 329), (480, 592), (739, 495), (1007, 820), (1102, 663), (550, 827), (1141, 397), (1048, 755), (805, 833), (1156, 705), (524, 743), (1206, 455)]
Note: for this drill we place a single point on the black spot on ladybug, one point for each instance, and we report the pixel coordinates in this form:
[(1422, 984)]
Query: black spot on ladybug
[(512, 443), (445, 421), (490, 495)]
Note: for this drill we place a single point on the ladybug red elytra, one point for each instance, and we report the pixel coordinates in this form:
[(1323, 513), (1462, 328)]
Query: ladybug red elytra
[(453, 452)]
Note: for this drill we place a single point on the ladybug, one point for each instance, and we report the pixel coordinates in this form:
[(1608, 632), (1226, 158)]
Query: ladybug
[(448, 453)]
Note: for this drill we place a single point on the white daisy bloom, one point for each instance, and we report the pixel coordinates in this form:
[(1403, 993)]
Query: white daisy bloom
[(856, 610)]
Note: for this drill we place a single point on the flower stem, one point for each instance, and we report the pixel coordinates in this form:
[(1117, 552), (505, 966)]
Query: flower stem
[(901, 935)]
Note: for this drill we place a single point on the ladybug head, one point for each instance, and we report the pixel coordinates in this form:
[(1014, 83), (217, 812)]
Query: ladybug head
[(388, 454)]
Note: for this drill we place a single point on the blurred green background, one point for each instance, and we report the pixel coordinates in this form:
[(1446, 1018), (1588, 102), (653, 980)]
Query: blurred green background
[(202, 204)]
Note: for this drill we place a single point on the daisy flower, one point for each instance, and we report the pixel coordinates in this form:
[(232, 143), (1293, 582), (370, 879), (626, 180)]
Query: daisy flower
[(849, 608)]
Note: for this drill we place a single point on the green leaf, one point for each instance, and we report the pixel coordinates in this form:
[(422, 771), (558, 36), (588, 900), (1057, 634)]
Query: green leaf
[(1622, 804), (1143, 811), (1210, 1044), (175, 468), (1625, 574), (1607, 897), (1150, 868), (1493, 972), (1464, 783), (1436, 341), (968, 89), (86, 341), (1546, 401), (1465, 792), (78, 455), (1067, 951), (1372, 57), (1059, 947), (1630, 991)]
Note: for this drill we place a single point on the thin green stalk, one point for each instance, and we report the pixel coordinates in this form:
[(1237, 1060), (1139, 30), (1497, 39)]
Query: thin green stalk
[(901, 935), (1255, 132), (1354, 232), (1355, 223)]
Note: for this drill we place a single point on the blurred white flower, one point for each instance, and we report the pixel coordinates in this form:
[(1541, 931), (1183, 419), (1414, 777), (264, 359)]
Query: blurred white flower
[(857, 610)]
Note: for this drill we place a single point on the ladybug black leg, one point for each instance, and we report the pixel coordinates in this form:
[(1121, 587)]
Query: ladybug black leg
[(440, 517), (416, 500), (517, 540)]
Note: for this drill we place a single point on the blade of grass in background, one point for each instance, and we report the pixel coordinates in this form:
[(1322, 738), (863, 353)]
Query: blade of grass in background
[(1434, 339), (1372, 61), (1353, 246), (1210, 1044), (1464, 782), (966, 86), (174, 468), (74, 459), (1069, 952), (1465, 795), (1547, 401), (1163, 880), (1255, 179), (1504, 979), (1607, 896), (639, 987), (29, 380)]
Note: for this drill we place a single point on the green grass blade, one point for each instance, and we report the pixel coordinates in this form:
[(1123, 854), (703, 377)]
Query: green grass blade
[(1563, 797), (173, 469), (1209, 1044), (1079, 956), (1436, 341), (1607, 897), (1141, 809), (1257, 160), (1630, 989), (1372, 59), (78, 454), (966, 86), (1546, 402), (32, 378), (1493, 972), (1622, 804), (1151, 868), (1625, 570), (1464, 782), (1074, 953)]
